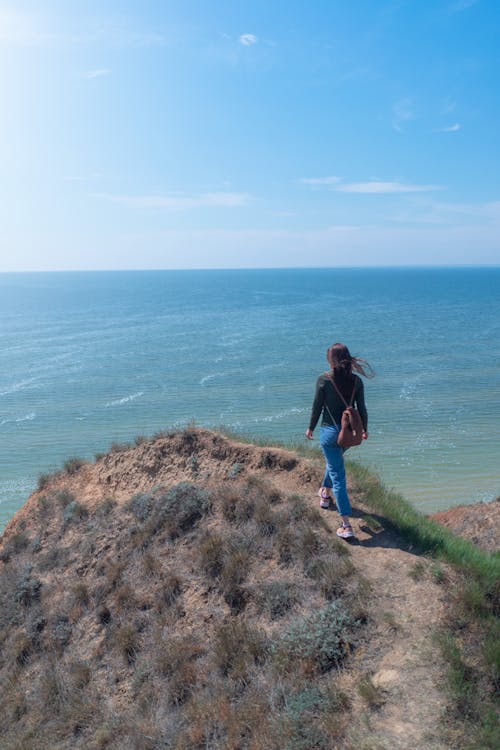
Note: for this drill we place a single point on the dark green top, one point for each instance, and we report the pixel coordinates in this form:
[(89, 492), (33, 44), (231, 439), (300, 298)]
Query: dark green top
[(327, 395)]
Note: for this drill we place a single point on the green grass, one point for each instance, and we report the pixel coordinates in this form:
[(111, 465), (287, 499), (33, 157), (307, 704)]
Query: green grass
[(470, 639)]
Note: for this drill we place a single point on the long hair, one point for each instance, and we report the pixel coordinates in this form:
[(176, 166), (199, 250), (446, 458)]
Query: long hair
[(342, 364)]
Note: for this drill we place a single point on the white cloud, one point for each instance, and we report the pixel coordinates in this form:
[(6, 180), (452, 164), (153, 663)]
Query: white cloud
[(97, 73), (248, 39), (450, 128), (180, 202), (378, 187), (320, 181), (402, 111)]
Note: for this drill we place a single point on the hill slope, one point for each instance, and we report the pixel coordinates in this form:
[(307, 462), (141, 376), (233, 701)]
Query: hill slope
[(188, 593)]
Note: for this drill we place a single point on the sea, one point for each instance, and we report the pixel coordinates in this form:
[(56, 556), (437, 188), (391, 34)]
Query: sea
[(88, 359)]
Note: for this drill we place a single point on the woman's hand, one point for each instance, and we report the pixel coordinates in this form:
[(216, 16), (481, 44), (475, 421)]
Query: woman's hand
[(364, 435), (309, 434)]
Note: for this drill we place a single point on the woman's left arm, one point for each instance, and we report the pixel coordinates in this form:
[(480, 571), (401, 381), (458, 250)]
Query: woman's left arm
[(361, 406)]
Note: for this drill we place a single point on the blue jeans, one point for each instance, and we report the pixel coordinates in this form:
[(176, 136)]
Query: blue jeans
[(335, 470)]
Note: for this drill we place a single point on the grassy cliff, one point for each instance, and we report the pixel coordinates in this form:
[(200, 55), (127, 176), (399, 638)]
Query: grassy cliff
[(187, 592)]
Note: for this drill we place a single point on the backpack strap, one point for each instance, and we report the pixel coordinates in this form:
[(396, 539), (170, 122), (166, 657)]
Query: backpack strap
[(343, 399), (341, 396)]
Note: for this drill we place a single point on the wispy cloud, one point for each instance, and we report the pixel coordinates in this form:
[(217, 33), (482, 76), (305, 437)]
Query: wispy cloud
[(30, 29), (96, 73), (450, 128), (82, 177), (379, 187), (320, 181), (180, 202), (462, 5), (402, 112), (248, 39)]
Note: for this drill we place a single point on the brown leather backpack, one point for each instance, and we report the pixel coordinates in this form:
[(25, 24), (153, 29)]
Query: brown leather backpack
[(351, 427)]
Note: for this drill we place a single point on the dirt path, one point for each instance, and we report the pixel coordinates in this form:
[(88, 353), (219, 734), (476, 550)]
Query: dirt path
[(396, 678)]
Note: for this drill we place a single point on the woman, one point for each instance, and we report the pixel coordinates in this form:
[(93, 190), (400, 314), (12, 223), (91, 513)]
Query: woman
[(328, 400)]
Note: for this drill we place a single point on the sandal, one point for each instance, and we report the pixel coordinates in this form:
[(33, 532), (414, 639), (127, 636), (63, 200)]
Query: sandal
[(345, 531), (325, 498)]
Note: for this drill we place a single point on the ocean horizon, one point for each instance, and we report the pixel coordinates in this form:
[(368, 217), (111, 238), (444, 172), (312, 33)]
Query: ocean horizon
[(90, 358)]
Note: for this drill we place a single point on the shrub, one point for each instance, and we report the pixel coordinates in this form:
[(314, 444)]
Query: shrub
[(64, 497), (331, 574), (170, 589), (72, 465), (317, 642), (237, 647), (277, 598), (234, 571), (127, 642), (212, 550), (106, 506), (182, 507), (80, 593), (370, 693), (237, 506), (15, 544), (141, 505), (44, 481), (179, 509), (28, 588), (235, 470), (176, 660), (61, 630), (74, 511), (306, 720)]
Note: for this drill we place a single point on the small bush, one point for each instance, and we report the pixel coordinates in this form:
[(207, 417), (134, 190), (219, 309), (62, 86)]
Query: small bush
[(317, 642), (73, 465), (331, 574), (417, 572), (176, 660), (119, 447), (237, 647), (53, 558), (213, 550), (80, 593), (64, 497), (74, 511), (21, 648), (106, 506), (285, 544), (61, 631), (370, 693), (126, 640), (141, 505), (265, 518), (235, 470), (306, 721), (15, 544), (179, 509), (236, 505), (28, 588), (170, 589), (277, 598), (44, 481)]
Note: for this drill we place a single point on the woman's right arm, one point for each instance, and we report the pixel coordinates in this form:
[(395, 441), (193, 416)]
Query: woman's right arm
[(317, 407)]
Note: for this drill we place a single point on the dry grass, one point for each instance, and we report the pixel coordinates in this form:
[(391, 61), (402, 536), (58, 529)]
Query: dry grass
[(159, 622)]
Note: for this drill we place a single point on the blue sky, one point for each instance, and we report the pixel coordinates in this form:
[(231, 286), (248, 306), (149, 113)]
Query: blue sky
[(198, 134)]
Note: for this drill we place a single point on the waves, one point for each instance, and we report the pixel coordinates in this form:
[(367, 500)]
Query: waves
[(124, 400)]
